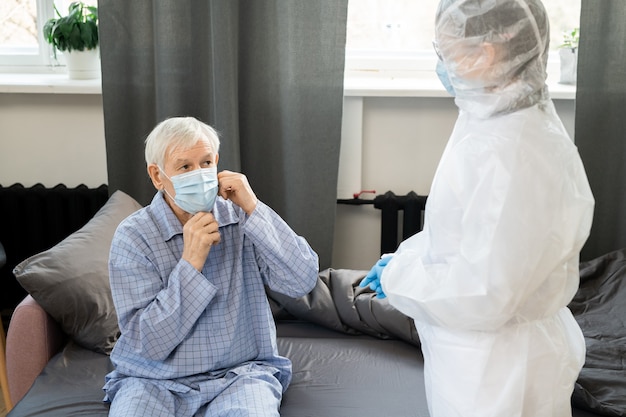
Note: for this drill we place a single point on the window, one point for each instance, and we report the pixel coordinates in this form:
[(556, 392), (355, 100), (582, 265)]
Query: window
[(397, 34), (22, 47), (381, 34), (21, 42)]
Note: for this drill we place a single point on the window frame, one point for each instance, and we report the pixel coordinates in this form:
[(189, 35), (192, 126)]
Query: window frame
[(379, 60), (34, 59), (410, 64), (397, 74), (384, 63)]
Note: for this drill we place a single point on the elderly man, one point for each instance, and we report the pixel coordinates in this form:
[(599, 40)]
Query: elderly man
[(188, 276)]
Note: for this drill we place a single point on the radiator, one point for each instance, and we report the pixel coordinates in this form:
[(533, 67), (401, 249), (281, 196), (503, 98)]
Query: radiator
[(35, 219), (412, 207)]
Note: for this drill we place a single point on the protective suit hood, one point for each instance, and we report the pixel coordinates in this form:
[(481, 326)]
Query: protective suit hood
[(495, 53)]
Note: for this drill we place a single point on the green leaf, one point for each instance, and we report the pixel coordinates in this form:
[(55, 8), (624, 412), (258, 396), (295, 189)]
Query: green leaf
[(78, 30), (93, 12), (75, 40), (86, 35), (47, 30), (571, 39)]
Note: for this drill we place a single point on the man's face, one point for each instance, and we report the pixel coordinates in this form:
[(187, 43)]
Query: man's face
[(179, 161)]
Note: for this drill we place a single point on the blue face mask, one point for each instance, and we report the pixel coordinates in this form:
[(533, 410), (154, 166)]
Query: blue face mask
[(195, 190), (442, 73)]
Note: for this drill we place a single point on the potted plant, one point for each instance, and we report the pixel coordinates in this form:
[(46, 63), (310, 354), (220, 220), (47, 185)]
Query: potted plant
[(76, 35), (568, 54)]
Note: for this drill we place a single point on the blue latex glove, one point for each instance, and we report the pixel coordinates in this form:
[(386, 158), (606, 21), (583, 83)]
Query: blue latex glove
[(372, 279)]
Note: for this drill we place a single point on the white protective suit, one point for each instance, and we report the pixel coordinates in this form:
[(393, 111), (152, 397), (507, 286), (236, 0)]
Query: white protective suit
[(488, 279)]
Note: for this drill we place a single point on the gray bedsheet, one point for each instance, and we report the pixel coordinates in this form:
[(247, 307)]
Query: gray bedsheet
[(600, 309), (334, 375), (599, 306), (337, 302), (352, 356), (70, 385)]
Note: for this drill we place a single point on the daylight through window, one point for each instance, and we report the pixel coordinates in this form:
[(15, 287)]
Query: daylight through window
[(385, 28)]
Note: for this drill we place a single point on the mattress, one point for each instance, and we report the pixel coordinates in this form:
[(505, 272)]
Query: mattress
[(334, 375), (339, 375)]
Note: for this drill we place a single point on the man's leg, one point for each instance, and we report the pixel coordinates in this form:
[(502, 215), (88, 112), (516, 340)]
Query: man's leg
[(253, 393), (141, 397)]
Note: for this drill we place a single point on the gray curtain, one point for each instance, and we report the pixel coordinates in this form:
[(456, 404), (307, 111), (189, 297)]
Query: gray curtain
[(601, 119), (267, 74)]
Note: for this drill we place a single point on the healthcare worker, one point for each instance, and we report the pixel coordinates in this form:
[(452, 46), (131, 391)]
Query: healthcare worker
[(488, 279)]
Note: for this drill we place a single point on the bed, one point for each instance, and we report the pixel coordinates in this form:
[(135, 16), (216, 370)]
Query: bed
[(352, 354), (334, 375)]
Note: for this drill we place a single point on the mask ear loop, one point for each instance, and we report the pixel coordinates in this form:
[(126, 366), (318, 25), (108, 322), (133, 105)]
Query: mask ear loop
[(163, 172), (163, 190)]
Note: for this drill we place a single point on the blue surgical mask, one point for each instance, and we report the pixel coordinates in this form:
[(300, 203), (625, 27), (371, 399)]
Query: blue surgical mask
[(442, 73), (195, 190)]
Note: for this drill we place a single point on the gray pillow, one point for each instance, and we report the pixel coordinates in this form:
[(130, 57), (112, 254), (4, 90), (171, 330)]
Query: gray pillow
[(71, 280)]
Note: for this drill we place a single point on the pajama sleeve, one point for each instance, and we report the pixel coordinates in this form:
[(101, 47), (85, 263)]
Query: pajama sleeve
[(287, 262)]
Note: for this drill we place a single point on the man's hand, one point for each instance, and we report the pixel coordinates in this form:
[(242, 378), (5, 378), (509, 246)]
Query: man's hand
[(200, 232), (235, 187)]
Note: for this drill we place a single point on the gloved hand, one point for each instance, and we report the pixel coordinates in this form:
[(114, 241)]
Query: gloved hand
[(372, 279)]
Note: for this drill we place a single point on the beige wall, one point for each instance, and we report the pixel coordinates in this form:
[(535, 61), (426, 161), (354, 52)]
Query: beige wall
[(59, 138), (52, 139)]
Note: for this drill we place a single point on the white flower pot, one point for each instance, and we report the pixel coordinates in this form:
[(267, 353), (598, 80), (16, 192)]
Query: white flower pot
[(83, 65), (569, 65)]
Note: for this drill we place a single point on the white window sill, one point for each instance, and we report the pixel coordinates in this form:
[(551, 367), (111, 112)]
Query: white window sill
[(355, 85), (371, 84), (47, 84)]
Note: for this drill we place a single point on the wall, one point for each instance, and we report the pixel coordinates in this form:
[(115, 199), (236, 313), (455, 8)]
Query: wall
[(59, 138), (52, 139)]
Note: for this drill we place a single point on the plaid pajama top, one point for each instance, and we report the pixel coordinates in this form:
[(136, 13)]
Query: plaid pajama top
[(178, 323)]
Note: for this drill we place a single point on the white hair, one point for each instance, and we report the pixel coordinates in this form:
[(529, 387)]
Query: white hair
[(178, 132)]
